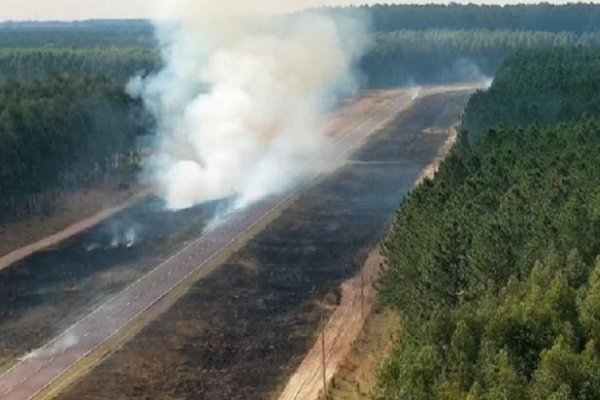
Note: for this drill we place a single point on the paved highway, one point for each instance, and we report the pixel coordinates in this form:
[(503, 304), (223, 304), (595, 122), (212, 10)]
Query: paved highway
[(47, 364)]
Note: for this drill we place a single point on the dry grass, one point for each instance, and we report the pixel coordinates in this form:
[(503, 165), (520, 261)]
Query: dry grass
[(356, 378)]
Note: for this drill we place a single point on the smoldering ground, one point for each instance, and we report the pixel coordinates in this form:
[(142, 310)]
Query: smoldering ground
[(44, 294)]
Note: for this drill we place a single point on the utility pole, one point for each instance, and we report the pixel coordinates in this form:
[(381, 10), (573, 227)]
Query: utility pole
[(362, 293), (323, 362)]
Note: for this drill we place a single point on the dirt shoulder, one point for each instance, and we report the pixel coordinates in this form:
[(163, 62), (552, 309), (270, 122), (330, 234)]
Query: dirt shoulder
[(343, 327), (74, 214), (356, 376)]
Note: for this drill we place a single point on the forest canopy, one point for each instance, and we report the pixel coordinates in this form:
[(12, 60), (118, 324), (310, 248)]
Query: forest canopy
[(119, 64), (77, 35), (539, 87), (500, 290), (60, 134), (577, 18), (416, 57)]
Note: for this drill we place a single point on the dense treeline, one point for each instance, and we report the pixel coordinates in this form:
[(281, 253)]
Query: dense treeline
[(396, 58), (440, 43), (65, 119), (62, 133), (495, 263), (542, 86), (412, 43), (404, 57), (83, 34), (577, 18), (117, 63)]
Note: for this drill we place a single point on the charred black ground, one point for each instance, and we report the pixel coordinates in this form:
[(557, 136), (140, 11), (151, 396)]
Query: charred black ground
[(240, 332), (41, 295)]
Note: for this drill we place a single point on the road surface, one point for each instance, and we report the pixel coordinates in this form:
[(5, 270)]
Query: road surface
[(47, 364)]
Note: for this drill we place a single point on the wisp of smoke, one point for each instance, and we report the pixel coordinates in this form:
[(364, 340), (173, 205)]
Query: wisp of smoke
[(241, 98), (59, 346)]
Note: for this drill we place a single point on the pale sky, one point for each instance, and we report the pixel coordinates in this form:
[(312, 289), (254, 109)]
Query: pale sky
[(94, 9)]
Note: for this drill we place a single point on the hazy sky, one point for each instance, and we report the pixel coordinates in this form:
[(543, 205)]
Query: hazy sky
[(85, 9)]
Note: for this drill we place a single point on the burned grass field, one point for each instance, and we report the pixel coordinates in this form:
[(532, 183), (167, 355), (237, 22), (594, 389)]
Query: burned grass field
[(240, 332), (43, 294), (46, 292)]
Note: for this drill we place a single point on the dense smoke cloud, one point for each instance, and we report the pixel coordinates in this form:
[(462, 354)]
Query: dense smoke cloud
[(242, 97)]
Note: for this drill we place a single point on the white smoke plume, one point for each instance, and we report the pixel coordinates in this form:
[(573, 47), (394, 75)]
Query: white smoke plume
[(242, 96)]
